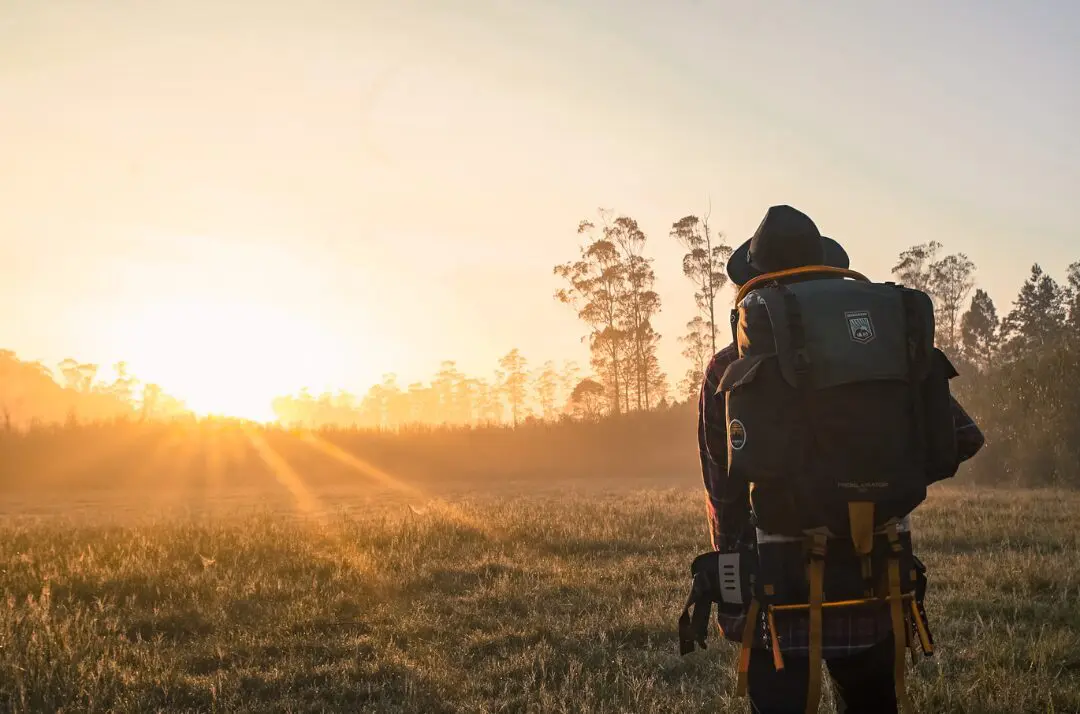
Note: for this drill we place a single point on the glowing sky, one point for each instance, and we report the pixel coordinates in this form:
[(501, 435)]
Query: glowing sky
[(315, 193)]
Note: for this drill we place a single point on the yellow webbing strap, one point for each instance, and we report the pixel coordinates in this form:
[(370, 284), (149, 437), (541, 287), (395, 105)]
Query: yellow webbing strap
[(747, 644), (912, 641), (792, 272), (924, 635), (896, 609), (861, 518), (861, 524), (817, 588), (777, 656)]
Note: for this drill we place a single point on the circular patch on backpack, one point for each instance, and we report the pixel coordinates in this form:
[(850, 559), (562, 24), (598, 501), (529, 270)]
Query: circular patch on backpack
[(736, 434)]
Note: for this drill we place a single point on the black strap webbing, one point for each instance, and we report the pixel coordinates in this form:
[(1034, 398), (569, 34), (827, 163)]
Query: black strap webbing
[(800, 358), (918, 366), (694, 628)]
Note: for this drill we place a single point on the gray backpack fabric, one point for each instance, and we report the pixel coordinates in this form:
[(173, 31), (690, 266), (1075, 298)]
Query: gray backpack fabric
[(838, 396)]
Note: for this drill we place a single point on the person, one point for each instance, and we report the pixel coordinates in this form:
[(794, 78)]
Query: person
[(856, 643)]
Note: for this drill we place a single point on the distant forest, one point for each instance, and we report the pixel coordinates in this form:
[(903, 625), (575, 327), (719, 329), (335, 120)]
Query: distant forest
[(1020, 368)]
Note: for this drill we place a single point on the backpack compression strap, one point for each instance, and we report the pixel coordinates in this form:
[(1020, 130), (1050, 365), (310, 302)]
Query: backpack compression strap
[(693, 629), (896, 610), (861, 523), (817, 585), (747, 644), (794, 272), (922, 630)]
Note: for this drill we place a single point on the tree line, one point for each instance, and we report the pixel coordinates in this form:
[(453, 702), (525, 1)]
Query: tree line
[(513, 394), (1044, 316), (1020, 372), (74, 392), (31, 393), (611, 287)]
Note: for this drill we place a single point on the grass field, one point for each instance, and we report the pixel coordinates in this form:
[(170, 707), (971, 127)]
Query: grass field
[(518, 600)]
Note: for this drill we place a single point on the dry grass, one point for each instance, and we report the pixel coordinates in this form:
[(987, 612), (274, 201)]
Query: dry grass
[(518, 602)]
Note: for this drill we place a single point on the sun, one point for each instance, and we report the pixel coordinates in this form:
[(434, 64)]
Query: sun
[(224, 357)]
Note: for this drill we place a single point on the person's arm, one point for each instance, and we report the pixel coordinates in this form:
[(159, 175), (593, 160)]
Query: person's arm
[(727, 505), (713, 468), (969, 438)]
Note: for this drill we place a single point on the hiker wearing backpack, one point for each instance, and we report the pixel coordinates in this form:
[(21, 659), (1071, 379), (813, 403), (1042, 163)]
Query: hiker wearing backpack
[(820, 428)]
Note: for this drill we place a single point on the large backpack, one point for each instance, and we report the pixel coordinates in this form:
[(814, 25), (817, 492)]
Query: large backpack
[(838, 396), (838, 416)]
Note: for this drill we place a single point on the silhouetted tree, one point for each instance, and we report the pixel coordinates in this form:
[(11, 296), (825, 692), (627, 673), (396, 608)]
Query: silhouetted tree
[(489, 403), (588, 399), (87, 375), (658, 384), (515, 383), (697, 348), (546, 386), (1073, 278), (980, 330), (704, 264), (445, 385), (639, 303), (30, 393), (397, 401), (947, 280), (123, 385), (568, 379), (151, 399), (9, 387), (1039, 315), (69, 369), (423, 403), (914, 268), (597, 285), (950, 283), (385, 405)]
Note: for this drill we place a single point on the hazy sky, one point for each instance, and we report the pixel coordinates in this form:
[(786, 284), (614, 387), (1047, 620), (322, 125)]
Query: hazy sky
[(318, 192)]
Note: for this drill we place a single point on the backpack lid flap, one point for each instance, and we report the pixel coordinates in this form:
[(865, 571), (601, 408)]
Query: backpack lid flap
[(740, 372), (854, 332)]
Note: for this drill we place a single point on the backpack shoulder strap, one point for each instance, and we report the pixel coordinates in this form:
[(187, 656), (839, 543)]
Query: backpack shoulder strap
[(795, 353)]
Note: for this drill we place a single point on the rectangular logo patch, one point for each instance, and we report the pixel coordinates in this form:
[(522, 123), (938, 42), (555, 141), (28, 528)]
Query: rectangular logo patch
[(860, 326)]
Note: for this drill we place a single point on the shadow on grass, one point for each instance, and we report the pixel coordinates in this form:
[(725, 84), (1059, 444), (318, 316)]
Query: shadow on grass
[(1022, 613), (174, 628), (144, 590), (960, 545), (597, 547), (459, 581), (307, 677)]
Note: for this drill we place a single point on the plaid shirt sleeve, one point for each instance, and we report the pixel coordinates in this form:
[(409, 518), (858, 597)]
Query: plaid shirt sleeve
[(727, 504), (969, 438)]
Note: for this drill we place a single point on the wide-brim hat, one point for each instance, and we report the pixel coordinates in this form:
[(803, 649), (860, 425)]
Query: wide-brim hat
[(787, 238)]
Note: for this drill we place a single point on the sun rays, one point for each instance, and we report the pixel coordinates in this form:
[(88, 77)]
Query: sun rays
[(421, 502), (306, 501), (220, 466), (359, 465)]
